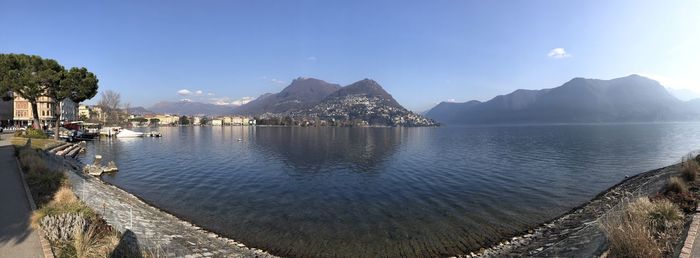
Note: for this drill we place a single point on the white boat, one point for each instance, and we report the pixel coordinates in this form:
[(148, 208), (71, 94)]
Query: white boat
[(125, 133)]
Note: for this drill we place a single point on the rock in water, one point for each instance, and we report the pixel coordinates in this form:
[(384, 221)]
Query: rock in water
[(94, 170), (111, 167)]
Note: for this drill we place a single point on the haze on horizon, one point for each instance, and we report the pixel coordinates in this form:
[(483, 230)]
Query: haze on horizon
[(422, 53)]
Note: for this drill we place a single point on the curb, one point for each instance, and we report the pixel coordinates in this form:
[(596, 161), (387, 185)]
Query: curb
[(45, 246), (686, 251)]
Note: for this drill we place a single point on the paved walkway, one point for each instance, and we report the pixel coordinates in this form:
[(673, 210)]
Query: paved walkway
[(691, 247), (17, 239)]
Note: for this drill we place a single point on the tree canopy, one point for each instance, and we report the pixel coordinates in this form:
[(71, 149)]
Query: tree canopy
[(77, 84), (184, 120), (31, 77)]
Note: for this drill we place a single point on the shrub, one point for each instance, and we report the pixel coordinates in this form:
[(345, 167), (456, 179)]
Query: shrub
[(62, 227), (676, 185), (629, 238), (63, 202), (43, 185), (689, 169), (31, 161), (42, 181), (87, 242), (34, 134), (664, 216), (642, 228), (72, 227)]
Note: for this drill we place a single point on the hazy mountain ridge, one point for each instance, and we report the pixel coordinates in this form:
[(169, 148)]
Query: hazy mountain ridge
[(628, 99), (191, 108), (684, 94), (139, 111)]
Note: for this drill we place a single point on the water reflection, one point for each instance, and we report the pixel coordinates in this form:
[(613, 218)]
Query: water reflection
[(412, 192), (310, 150)]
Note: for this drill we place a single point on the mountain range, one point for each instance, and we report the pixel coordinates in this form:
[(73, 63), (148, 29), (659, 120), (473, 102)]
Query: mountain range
[(191, 108), (628, 99), (364, 102)]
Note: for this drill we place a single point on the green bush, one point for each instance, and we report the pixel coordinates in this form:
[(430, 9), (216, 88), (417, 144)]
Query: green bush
[(34, 134)]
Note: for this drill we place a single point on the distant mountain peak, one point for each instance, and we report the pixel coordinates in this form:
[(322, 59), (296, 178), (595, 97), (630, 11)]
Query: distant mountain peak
[(365, 100), (633, 98), (302, 92)]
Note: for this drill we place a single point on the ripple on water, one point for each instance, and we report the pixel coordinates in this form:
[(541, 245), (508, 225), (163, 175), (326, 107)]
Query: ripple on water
[(411, 192)]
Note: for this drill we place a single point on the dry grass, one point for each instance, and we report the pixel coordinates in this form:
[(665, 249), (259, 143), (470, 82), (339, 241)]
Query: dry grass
[(676, 185), (31, 161), (94, 242), (63, 201), (99, 240), (55, 197), (36, 143), (642, 228), (690, 169), (42, 181)]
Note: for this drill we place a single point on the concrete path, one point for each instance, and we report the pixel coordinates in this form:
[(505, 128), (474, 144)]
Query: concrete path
[(691, 247), (17, 239)]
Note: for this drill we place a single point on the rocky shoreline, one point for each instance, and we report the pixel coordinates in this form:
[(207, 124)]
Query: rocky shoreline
[(149, 227), (576, 233)]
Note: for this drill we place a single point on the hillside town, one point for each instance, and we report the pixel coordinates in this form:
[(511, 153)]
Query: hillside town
[(350, 111), (17, 114)]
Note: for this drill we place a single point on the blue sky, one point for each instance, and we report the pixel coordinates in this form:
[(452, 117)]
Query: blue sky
[(422, 52)]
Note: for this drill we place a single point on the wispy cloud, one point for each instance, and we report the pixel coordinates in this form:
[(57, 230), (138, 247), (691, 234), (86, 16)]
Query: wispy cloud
[(311, 58), (184, 92), (273, 80), (558, 53), (199, 92), (231, 102)]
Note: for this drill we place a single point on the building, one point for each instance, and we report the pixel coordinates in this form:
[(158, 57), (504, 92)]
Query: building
[(84, 112), (46, 109), (167, 119), (96, 113), (217, 122), (6, 112), (69, 110), (235, 120)]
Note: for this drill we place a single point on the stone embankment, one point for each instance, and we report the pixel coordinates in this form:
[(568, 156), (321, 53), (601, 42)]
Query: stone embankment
[(577, 233), (151, 229)]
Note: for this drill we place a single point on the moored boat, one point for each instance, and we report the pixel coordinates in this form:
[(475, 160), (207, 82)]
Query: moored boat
[(126, 133)]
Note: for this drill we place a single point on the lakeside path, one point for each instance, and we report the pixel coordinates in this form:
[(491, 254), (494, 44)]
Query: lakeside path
[(147, 227), (17, 238)]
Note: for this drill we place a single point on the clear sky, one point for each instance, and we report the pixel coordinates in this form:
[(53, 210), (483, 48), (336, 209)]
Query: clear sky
[(422, 52)]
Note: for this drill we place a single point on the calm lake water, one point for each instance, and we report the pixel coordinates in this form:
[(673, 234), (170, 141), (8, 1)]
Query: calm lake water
[(384, 191)]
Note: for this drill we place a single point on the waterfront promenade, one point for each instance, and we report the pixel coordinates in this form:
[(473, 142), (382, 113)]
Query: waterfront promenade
[(17, 238)]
